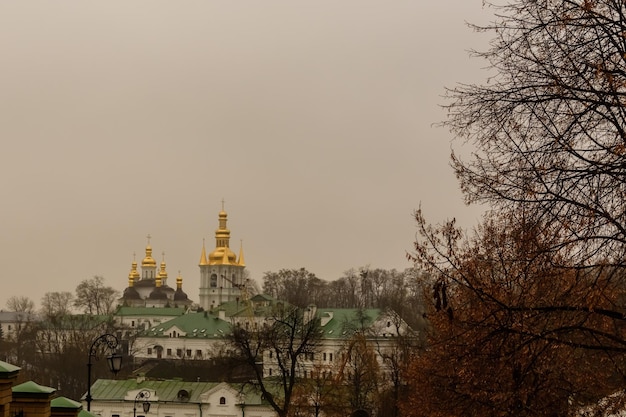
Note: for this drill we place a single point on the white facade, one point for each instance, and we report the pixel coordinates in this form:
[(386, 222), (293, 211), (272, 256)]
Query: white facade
[(175, 399)]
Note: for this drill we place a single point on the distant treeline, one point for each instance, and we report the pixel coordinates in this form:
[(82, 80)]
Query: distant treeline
[(400, 291)]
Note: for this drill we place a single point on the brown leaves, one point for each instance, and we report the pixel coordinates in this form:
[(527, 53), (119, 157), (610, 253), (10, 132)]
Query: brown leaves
[(526, 332)]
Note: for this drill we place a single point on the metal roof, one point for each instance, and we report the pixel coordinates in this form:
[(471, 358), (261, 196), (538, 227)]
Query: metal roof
[(165, 391), (150, 311), (201, 325)]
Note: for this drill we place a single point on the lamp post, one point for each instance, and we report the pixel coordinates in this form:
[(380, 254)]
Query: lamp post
[(144, 394), (113, 360)]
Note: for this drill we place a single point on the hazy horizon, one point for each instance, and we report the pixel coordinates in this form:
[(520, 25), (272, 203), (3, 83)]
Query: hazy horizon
[(314, 121)]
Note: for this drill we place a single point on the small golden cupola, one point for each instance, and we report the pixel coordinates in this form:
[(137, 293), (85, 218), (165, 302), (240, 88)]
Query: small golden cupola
[(131, 293), (222, 255), (133, 274), (179, 296), (157, 293), (162, 273)]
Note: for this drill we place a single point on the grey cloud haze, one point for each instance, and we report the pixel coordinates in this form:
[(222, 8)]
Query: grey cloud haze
[(313, 120)]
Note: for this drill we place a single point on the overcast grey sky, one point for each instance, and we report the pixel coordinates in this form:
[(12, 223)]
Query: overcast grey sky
[(312, 119)]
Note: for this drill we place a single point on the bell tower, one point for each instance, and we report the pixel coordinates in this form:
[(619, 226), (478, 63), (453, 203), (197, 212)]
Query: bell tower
[(221, 271)]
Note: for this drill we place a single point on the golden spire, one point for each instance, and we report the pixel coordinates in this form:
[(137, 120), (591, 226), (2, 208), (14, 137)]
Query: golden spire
[(133, 274), (203, 260), (162, 273), (179, 281), (222, 255), (241, 261)]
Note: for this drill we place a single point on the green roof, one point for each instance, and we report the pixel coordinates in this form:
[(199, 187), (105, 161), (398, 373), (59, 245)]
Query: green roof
[(149, 311), (85, 413), (7, 368), (346, 321), (64, 402), (31, 387), (117, 390), (201, 325)]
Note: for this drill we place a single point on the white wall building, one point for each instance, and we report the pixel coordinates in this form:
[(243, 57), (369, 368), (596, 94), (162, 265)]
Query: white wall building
[(112, 398)]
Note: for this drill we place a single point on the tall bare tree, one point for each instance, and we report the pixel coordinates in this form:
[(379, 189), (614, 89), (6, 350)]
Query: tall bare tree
[(286, 338), (21, 304), (93, 297), (549, 127), (56, 304)]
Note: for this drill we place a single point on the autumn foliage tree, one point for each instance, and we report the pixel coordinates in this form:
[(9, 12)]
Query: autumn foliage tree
[(527, 313), (514, 332)]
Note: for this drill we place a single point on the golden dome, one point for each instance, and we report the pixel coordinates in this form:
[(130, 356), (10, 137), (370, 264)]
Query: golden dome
[(148, 261), (162, 272), (134, 271), (222, 256)]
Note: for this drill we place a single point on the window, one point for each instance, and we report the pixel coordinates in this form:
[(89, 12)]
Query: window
[(198, 353), (149, 351), (169, 352), (179, 353), (213, 280), (271, 354), (330, 358), (132, 323), (222, 400), (188, 353), (270, 371), (388, 324), (324, 356)]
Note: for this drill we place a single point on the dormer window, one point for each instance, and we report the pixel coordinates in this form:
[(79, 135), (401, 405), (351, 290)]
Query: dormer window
[(222, 400)]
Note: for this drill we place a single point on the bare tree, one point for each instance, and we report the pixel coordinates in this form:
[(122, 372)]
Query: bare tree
[(56, 304), (21, 304), (288, 336), (549, 126), (18, 341), (93, 297), (295, 286)]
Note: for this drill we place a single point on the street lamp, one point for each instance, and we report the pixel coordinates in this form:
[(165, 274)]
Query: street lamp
[(144, 394), (113, 360)]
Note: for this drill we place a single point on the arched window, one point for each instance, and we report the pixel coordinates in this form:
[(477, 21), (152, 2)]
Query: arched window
[(213, 281), (222, 400)]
